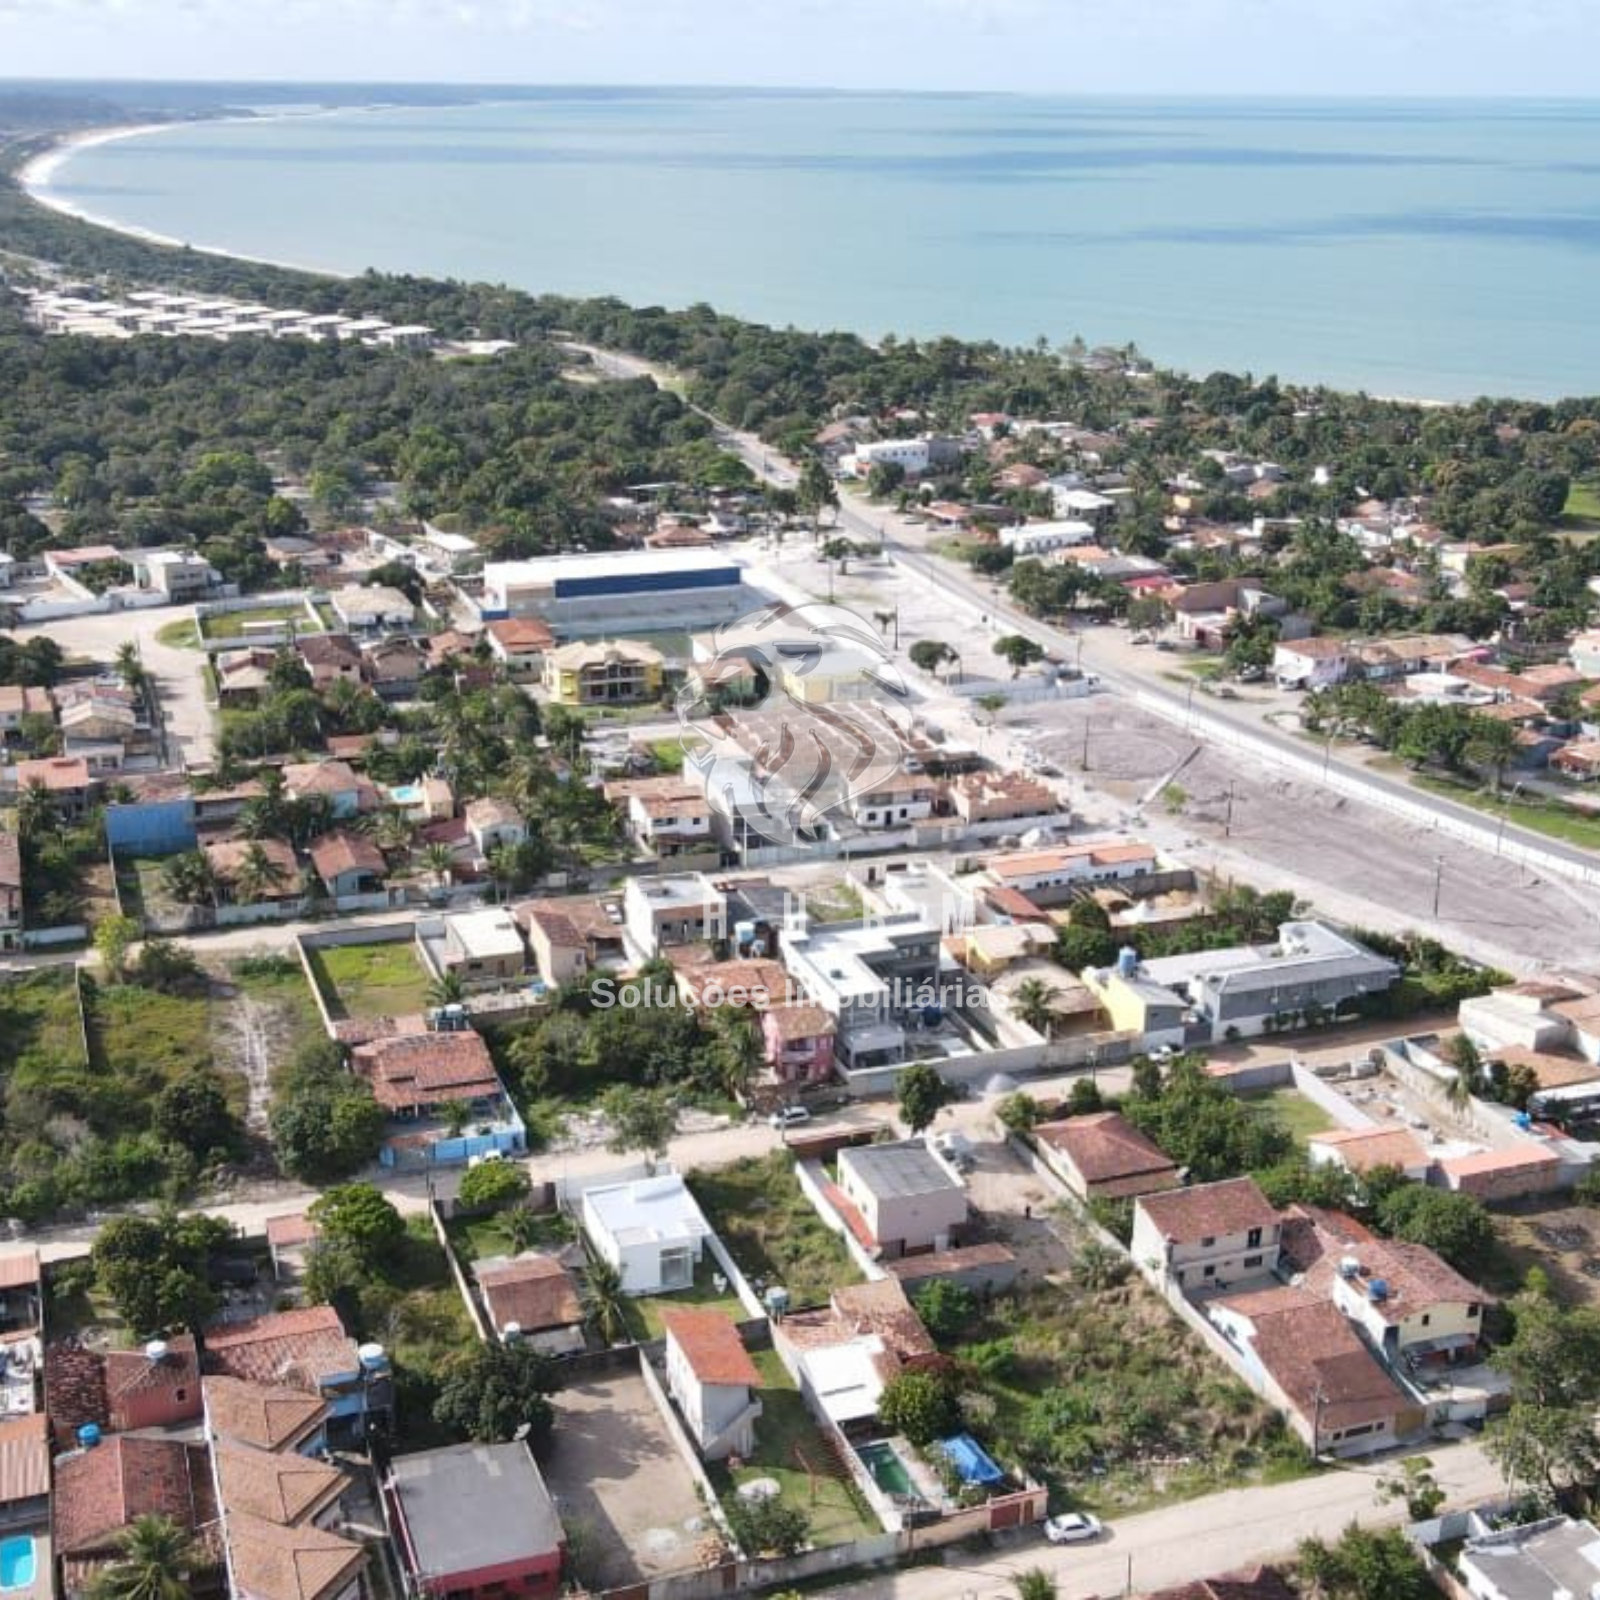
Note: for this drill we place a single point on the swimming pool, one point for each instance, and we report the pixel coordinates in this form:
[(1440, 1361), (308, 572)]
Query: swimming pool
[(406, 794), (972, 1461), (882, 1460), (18, 1568)]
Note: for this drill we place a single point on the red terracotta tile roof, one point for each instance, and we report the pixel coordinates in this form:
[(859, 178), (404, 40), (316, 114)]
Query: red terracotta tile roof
[(294, 1348), (1208, 1211), (1364, 1149), (99, 1492), (58, 774), (267, 1416), (24, 1459), (1261, 1583), (294, 1229), (800, 1020), (337, 853), (518, 635), (282, 1487), (533, 1291), (305, 1563), (19, 1268), (711, 1345), (1105, 1147), (412, 1071)]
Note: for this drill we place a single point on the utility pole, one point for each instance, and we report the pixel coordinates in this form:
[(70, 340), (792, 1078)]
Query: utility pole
[(1085, 759), (1227, 822), (1438, 881)]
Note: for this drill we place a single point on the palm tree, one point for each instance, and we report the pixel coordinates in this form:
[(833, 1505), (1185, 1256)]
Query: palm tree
[(257, 873), (737, 1046), (130, 666), (505, 867), (522, 1227), (36, 812), (157, 1560), (1034, 1584), (1033, 1002), (604, 1304), (456, 1115), (190, 879), (439, 860), (393, 834), (447, 990)]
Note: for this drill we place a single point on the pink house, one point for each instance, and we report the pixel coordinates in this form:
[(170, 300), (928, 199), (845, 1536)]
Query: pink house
[(799, 1042)]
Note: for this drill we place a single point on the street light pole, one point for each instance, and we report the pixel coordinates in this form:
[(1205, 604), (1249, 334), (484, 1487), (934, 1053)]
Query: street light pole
[(1227, 821), (1438, 882)]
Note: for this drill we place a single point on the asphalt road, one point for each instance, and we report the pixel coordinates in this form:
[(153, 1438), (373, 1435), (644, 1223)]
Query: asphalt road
[(1199, 1538)]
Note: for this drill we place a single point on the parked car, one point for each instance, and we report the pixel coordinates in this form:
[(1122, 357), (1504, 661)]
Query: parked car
[(1165, 644), (1252, 674), (789, 1116), (1073, 1527), (1143, 636)]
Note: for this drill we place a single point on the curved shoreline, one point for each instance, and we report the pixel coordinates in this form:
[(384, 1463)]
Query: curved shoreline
[(34, 177)]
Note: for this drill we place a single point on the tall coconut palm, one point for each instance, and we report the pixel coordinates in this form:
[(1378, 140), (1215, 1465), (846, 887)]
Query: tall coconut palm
[(439, 861), (1033, 1002), (257, 873), (156, 1560), (394, 834), (447, 990), (189, 878), (604, 1304)]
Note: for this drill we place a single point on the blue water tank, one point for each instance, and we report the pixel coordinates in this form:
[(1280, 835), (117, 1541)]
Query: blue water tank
[(1378, 1288), (89, 1435), (1127, 961), (744, 934)]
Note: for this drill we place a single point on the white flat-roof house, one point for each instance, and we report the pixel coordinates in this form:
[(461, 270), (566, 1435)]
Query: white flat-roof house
[(685, 908), (369, 608), (484, 946), (909, 1199), (649, 1229)]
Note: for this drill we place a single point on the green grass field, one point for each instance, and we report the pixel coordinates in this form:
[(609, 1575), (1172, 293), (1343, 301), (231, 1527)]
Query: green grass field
[(790, 1450), (643, 1312), (1581, 513), (231, 624), (1547, 817), (771, 1229), (181, 634), (371, 980), (479, 1238), (39, 1023), (1290, 1110)]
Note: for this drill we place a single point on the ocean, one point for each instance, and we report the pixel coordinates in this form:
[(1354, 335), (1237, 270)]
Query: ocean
[(1429, 249)]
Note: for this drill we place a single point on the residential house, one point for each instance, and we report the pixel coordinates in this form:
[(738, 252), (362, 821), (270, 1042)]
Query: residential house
[(1315, 663), (22, 700), (372, 608), (1039, 538), (1511, 1174), (1301, 1352), (484, 947), (1362, 1150), (278, 1486), (180, 575), (909, 1200), (266, 1416), (672, 819), (330, 658), (242, 676), (157, 1386), (1210, 1237), (494, 824), (1103, 1156), (393, 667), (277, 891), (711, 1377), (650, 1229), (10, 891), (67, 780), (268, 1561), (100, 1491), (1553, 1557), (416, 1076), (1056, 874), (797, 1040), (532, 1299), (474, 1521), (25, 1507), (603, 672), (306, 1350), (560, 949), (685, 908), (351, 869), (519, 644), (289, 1239), (1413, 1308), (347, 793)]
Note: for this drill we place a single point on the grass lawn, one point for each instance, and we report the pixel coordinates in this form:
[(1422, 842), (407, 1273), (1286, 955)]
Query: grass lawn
[(371, 980), (771, 1230), (1547, 817), (39, 1023), (1110, 1400), (790, 1450), (839, 902), (477, 1238), (327, 616), (1291, 1110), (642, 1313), (135, 1033), (279, 986), (1581, 513), (231, 624), (181, 634)]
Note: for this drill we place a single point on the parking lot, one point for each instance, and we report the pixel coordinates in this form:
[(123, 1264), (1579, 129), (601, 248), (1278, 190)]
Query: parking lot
[(626, 1500)]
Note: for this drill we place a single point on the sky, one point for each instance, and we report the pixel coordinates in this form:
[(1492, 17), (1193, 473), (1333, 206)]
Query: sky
[(1293, 47)]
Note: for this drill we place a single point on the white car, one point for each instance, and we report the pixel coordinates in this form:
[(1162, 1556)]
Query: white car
[(1073, 1527), (789, 1117)]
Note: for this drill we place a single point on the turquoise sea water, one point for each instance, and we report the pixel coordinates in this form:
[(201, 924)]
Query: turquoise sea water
[(1432, 249)]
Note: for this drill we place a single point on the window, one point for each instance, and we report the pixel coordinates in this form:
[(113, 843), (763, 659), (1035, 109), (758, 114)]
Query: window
[(1252, 1261), (1207, 1242), (1211, 1272), (1252, 1239), (1427, 1317), (1472, 1312), (180, 1395)]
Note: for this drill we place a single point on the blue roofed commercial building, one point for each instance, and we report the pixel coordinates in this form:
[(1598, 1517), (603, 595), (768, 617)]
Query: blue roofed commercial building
[(619, 591)]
